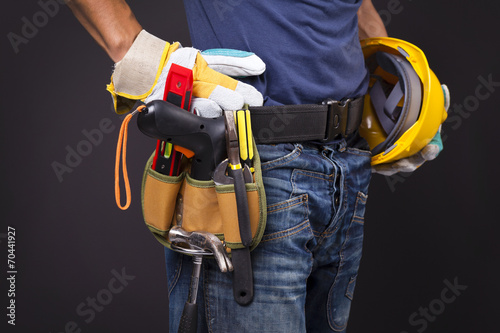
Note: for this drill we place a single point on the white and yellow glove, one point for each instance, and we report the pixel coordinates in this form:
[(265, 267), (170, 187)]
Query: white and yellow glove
[(412, 163), (142, 73)]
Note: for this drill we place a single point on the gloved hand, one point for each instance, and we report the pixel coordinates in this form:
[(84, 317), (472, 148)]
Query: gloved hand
[(411, 163), (428, 153), (142, 73)]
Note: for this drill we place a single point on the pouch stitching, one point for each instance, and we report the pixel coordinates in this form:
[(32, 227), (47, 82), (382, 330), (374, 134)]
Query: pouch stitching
[(170, 180), (159, 230), (209, 184), (250, 187)]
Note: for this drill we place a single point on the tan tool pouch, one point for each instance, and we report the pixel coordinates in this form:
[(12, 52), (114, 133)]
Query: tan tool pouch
[(201, 205)]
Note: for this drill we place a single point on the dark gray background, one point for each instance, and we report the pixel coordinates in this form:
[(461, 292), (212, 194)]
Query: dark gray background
[(439, 224)]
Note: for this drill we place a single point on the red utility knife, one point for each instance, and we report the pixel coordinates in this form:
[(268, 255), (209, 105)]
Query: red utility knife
[(178, 91)]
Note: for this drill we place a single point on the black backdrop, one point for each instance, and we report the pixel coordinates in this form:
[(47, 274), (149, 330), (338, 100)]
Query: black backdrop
[(430, 254)]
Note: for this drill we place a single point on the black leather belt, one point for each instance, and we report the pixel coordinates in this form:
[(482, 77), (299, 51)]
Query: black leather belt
[(310, 122)]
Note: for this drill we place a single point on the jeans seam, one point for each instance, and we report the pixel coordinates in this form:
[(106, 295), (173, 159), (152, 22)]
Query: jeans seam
[(332, 323), (311, 174), (288, 232), (300, 200), (358, 220), (339, 168), (348, 294), (297, 154), (284, 206), (311, 262), (177, 275), (354, 219), (359, 199)]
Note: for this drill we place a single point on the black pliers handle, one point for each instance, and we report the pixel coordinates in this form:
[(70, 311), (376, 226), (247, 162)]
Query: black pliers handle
[(243, 275)]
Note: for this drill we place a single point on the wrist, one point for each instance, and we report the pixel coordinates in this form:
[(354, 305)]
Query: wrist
[(121, 43), (136, 74)]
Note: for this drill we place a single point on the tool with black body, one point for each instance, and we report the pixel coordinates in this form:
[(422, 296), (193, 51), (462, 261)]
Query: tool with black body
[(205, 137), (243, 273)]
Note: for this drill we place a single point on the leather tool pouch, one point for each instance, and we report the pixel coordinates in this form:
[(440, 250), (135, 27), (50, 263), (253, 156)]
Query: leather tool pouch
[(201, 205)]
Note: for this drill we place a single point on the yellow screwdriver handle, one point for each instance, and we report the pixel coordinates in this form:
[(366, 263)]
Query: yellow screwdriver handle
[(245, 139)]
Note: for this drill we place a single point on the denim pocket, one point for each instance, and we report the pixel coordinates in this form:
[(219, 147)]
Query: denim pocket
[(273, 156), (284, 247), (320, 189), (285, 217)]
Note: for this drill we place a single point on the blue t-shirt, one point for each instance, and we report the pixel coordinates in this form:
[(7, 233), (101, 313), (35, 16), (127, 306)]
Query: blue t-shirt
[(311, 48)]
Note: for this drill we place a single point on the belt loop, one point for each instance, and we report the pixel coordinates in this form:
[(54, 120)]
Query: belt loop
[(336, 119)]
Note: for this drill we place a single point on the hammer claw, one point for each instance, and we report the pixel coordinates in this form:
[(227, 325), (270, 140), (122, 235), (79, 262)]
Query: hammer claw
[(204, 241)]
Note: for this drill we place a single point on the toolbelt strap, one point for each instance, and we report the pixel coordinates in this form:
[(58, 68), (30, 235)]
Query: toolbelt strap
[(309, 122)]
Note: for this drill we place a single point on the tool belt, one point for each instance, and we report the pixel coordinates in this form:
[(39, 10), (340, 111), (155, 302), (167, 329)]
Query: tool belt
[(312, 122), (200, 205)]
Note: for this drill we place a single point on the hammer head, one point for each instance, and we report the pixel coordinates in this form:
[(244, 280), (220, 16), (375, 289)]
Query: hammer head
[(205, 241)]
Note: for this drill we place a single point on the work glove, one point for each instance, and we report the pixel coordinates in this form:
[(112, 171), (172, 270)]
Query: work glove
[(411, 163), (142, 73), (428, 153)]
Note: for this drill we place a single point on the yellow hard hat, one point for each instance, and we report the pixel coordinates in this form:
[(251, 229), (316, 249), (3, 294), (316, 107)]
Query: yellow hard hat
[(405, 104)]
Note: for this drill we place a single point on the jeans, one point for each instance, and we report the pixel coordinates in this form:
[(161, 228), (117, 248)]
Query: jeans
[(306, 265)]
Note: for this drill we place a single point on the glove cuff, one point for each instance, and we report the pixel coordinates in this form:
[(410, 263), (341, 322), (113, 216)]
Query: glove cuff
[(135, 75)]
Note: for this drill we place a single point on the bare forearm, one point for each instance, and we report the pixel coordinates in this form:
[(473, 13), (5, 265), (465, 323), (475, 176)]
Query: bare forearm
[(369, 22), (110, 22)]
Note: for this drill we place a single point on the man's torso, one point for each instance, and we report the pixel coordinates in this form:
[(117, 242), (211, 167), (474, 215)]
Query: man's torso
[(311, 48)]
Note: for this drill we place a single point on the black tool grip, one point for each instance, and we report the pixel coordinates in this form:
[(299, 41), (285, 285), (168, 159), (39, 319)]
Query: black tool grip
[(242, 207), (242, 276), (189, 318), (205, 137)]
